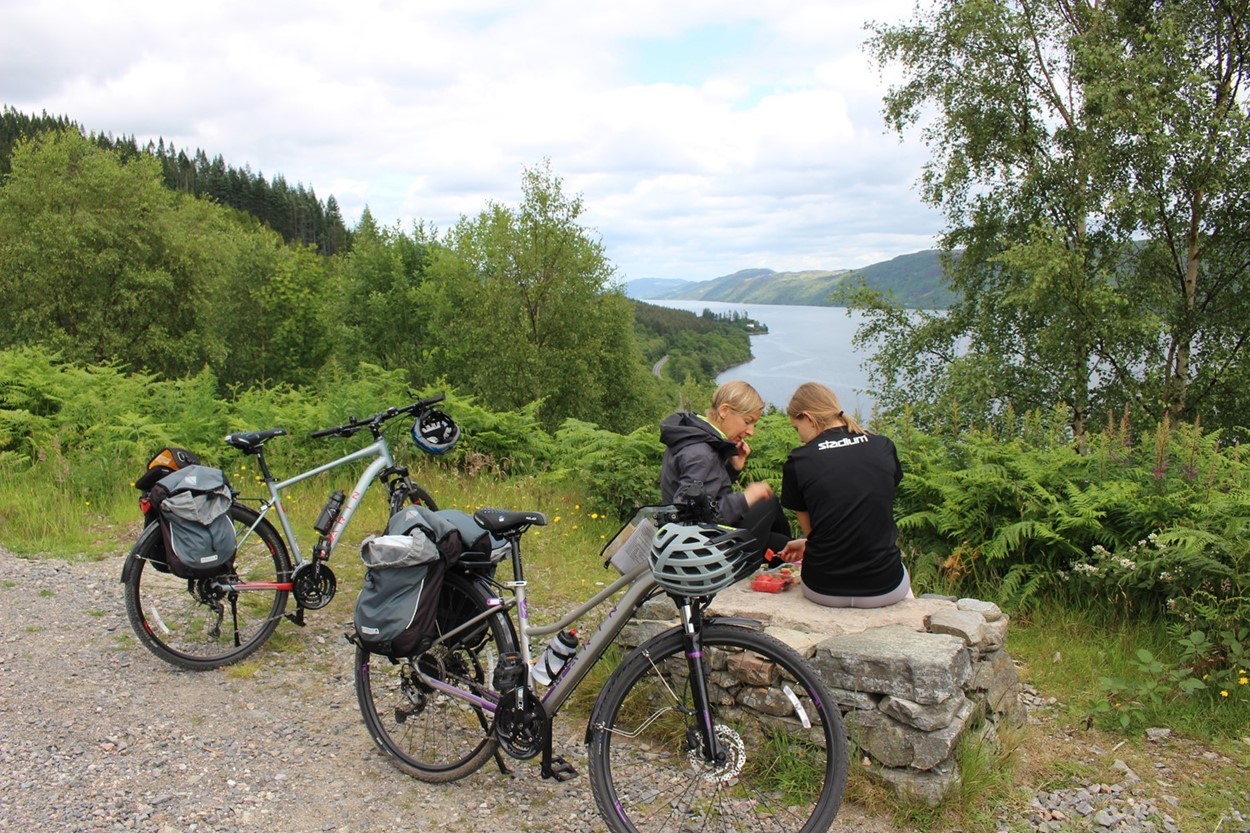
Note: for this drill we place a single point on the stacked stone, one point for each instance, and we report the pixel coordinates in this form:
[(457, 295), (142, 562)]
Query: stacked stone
[(908, 697)]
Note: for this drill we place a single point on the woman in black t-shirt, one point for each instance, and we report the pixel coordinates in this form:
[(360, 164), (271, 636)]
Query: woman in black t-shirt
[(840, 483)]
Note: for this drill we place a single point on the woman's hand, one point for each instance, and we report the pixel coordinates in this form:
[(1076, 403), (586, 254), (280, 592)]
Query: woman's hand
[(757, 491), (739, 460), (793, 551)]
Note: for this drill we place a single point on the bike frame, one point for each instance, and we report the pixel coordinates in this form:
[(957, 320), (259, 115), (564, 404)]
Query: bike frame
[(640, 584), (378, 449)]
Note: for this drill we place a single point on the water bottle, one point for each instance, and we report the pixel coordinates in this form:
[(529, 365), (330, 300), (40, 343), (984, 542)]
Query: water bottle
[(563, 645), (330, 512)]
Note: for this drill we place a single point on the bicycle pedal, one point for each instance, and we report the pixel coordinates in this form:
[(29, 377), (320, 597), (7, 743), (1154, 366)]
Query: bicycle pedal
[(297, 617), (559, 769)]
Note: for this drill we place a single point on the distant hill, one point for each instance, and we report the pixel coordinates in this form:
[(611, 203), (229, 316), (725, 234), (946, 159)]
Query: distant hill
[(915, 281), (648, 288)]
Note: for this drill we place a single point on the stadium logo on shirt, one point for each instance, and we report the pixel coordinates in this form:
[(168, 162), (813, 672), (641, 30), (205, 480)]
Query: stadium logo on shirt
[(842, 443)]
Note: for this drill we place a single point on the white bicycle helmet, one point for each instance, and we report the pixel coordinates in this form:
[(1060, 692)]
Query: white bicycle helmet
[(435, 432), (700, 559)]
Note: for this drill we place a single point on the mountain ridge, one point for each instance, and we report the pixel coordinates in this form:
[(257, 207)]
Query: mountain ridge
[(914, 280)]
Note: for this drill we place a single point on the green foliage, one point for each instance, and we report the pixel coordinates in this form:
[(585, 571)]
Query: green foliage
[(527, 313), (1215, 672), (110, 265), (1061, 136), (695, 347), (618, 473), (515, 307)]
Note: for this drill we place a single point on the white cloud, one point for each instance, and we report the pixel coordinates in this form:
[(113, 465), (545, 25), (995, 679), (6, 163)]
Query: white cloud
[(705, 136)]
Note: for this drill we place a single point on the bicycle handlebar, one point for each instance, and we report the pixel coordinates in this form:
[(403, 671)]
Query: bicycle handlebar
[(353, 425)]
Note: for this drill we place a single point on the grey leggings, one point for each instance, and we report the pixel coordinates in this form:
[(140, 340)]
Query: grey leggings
[(903, 591)]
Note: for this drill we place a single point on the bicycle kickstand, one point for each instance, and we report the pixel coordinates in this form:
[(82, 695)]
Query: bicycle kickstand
[(555, 766)]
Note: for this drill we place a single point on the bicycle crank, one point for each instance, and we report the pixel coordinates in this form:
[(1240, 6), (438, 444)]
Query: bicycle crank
[(521, 723), (313, 585)]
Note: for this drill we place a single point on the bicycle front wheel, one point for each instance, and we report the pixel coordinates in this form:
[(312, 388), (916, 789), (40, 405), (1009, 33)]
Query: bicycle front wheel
[(784, 754), (410, 493), (439, 734), (200, 624)]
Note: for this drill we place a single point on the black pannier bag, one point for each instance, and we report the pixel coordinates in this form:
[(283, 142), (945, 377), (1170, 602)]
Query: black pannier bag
[(193, 507), (398, 601)]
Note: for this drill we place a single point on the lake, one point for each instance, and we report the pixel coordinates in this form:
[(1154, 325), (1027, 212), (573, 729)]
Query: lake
[(803, 344)]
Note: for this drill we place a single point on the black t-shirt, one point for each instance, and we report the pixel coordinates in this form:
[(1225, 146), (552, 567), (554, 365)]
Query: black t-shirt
[(846, 482)]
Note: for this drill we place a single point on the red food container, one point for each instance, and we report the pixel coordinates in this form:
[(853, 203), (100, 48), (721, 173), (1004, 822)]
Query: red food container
[(768, 583)]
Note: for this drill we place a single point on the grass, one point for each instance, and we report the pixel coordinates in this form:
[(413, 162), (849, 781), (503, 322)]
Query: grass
[(1060, 651)]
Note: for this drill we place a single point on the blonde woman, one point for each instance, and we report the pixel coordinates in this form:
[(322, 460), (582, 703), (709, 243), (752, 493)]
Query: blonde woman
[(712, 449), (840, 484)]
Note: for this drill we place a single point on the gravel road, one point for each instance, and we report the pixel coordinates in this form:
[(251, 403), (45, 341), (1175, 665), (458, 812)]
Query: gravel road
[(96, 734)]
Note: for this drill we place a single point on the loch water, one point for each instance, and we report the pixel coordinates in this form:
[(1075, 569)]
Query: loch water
[(803, 344)]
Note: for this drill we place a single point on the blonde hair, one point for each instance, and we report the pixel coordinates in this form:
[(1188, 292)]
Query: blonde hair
[(821, 405), (741, 398)]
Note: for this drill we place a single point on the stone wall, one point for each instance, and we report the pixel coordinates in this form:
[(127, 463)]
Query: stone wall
[(911, 679)]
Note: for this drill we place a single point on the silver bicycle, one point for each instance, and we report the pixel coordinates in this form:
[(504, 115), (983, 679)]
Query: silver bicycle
[(204, 623)]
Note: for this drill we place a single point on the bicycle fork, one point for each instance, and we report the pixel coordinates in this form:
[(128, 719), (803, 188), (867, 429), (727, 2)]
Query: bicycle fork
[(692, 638)]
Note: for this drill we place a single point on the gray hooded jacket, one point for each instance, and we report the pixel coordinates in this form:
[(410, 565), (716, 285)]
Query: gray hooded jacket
[(695, 451)]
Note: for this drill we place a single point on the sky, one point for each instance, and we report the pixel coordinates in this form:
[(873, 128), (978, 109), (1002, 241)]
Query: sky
[(703, 136)]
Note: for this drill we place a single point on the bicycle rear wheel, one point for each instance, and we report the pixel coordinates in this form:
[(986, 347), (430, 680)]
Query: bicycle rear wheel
[(430, 734), (785, 762), (200, 624)]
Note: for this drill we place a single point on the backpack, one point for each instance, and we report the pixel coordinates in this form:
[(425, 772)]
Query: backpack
[(164, 462), (398, 601), (192, 506)]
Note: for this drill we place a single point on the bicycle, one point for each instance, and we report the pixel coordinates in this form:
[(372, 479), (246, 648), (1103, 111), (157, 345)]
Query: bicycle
[(183, 621), (671, 745)]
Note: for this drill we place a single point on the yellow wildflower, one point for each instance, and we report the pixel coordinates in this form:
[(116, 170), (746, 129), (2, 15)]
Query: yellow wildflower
[(1223, 692)]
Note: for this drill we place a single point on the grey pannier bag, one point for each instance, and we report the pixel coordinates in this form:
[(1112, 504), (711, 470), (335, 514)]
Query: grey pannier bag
[(398, 601), (193, 504)]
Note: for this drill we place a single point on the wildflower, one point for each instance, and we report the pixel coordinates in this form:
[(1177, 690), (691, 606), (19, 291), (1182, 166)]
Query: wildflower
[(1223, 692), (594, 516), (1099, 549), (88, 503), (1127, 563), (1166, 575), (1085, 569), (556, 519), (577, 506)]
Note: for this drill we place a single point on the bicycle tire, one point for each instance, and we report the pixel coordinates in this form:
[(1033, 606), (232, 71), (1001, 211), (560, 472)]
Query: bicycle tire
[(191, 623), (779, 775), (433, 736), (410, 492)]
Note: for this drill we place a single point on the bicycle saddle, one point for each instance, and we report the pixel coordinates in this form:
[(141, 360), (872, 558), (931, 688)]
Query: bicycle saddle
[(249, 442), (503, 521)]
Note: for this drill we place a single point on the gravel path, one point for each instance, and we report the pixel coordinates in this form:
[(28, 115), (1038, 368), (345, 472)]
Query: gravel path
[(96, 734)]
